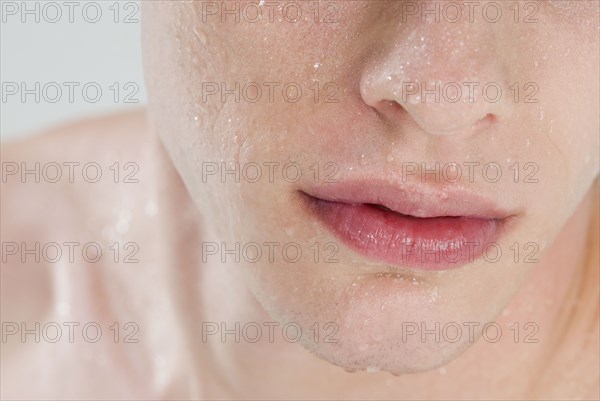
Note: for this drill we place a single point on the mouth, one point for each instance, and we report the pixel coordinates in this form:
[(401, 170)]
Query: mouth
[(409, 227)]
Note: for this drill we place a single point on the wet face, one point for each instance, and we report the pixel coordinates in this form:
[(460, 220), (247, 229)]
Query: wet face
[(379, 167)]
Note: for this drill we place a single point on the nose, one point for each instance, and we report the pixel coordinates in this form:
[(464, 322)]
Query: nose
[(448, 77)]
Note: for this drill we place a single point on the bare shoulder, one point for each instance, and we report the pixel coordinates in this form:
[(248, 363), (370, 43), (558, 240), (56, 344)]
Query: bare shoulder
[(76, 186), (85, 139), (60, 167), (61, 186)]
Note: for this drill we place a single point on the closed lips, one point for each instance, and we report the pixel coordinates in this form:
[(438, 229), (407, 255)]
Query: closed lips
[(407, 228)]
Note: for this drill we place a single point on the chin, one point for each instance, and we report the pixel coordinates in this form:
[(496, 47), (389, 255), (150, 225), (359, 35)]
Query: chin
[(391, 354), (384, 323)]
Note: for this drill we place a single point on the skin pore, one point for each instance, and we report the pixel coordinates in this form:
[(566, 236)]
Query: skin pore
[(367, 134)]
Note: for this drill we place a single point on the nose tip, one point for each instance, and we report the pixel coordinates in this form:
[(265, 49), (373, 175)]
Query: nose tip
[(448, 79), (439, 108)]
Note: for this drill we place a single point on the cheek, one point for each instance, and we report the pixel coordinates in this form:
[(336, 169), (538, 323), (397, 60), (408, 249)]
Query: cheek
[(567, 123), (568, 92)]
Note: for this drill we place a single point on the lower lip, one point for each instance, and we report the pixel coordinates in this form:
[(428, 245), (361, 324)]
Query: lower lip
[(437, 243)]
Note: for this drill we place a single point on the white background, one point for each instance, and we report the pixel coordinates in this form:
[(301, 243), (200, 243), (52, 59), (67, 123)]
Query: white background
[(105, 52)]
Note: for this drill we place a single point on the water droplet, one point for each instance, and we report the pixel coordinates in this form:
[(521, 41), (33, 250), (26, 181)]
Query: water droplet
[(125, 214), (201, 37), (414, 99), (373, 369), (63, 308), (151, 208), (363, 160), (122, 226), (442, 370), (434, 295)]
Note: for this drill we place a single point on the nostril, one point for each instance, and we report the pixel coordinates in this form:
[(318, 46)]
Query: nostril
[(485, 123), (391, 108), (490, 117)]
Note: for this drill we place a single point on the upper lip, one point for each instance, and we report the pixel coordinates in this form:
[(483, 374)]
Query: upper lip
[(412, 200)]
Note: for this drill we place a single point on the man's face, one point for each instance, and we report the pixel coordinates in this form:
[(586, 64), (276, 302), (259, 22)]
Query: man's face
[(260, 104)]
